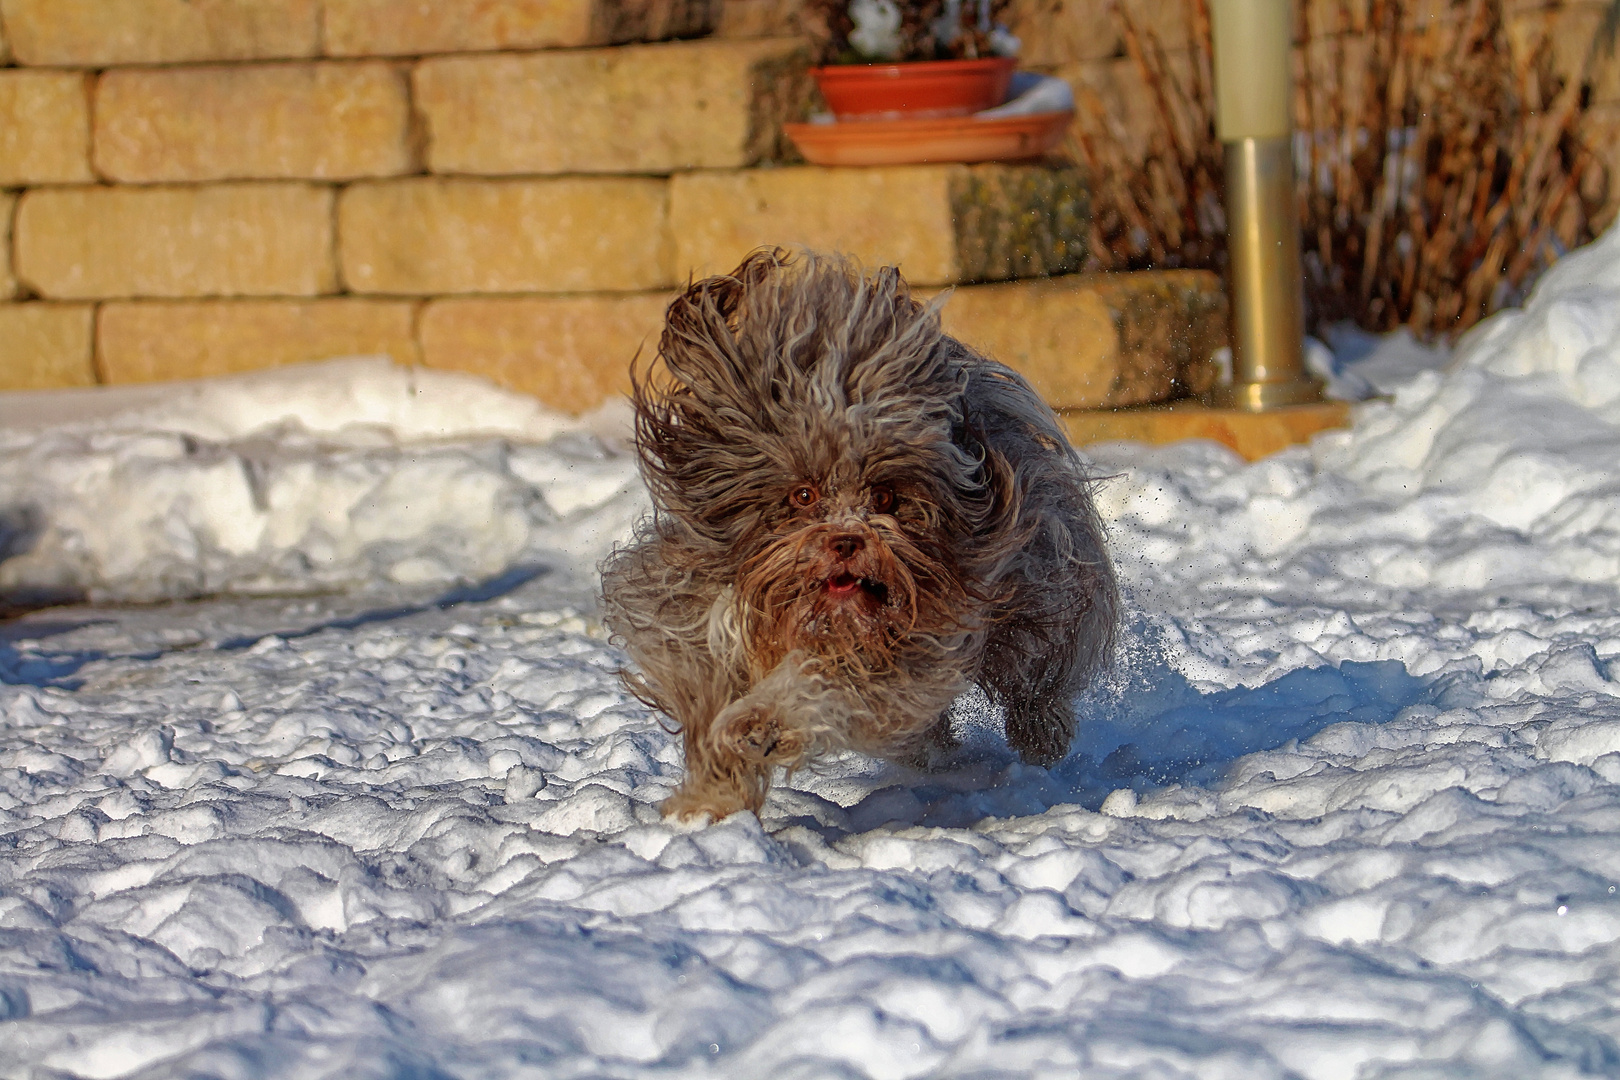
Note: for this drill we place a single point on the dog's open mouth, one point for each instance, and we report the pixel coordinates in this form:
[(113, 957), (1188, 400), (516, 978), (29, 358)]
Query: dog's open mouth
[(845, 585)]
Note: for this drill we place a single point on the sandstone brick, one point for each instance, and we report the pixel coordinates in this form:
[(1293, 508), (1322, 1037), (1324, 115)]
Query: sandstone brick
[(942, 224), (1083, 341), (571, 352), (45, 345), (8, 280), (1062, 339), (216, 240), (156, 340), (44, 127), (762, 18), (1099, 340), (330, 121), (1019, 221), (426, 236), (414, 28), (630, 109), (894, 215), (100, 33)]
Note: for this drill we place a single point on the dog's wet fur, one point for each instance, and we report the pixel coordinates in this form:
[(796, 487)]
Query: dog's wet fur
[(856, 519)]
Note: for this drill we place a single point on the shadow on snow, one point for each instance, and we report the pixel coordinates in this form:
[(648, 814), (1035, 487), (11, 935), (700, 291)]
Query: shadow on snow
[(1152, 731), (36, 665)]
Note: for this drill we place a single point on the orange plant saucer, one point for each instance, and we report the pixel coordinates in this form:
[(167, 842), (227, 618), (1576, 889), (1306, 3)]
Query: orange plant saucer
[(909, 142)]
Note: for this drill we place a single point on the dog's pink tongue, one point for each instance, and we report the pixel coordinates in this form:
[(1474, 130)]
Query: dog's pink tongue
[(843, 584)]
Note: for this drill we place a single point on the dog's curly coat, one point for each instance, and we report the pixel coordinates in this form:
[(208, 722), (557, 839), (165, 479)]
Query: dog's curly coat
[(857, 518)]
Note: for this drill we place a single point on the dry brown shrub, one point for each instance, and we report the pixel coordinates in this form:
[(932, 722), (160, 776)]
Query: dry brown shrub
[(1437, 174)]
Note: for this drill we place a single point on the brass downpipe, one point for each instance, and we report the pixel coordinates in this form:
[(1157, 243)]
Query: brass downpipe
[(1253, 84)]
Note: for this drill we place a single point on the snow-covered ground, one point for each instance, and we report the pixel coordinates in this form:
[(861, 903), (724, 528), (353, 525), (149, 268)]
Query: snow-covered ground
[(1349, 806)]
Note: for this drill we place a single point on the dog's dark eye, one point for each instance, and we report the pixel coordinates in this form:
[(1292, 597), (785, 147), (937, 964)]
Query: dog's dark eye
[(883, 499), (803, 496)]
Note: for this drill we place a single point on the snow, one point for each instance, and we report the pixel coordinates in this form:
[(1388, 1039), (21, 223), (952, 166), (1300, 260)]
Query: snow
[(363, 796), (311, 477)]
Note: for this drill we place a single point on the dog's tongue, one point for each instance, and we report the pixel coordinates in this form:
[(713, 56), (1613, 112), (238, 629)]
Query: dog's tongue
[(843, 584)]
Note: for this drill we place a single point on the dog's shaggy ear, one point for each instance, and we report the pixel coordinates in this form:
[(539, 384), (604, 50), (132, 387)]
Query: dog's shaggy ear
[(705, 388), (762, 370), (699, 349)]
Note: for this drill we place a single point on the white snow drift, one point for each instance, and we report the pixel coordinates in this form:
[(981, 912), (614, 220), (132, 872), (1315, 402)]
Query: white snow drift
[(1349, 807), (295, 479)]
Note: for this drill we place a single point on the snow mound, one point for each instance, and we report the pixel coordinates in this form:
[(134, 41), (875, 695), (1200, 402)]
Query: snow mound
[(1492, 480), (332, 397), (308, 477)]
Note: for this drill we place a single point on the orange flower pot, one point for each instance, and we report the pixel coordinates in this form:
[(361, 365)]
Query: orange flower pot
[(915, 90)]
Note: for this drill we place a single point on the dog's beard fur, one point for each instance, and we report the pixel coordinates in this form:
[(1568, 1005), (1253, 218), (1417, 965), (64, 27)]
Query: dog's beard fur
[(856, 519), (856, 594)]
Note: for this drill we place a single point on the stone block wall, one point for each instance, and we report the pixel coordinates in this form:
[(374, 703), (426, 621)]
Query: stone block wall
[(514, 187), (198, 186)]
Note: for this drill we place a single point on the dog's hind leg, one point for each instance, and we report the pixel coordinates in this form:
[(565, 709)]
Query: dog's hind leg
[(1041, 729), (1035, 681), (1056, 634)]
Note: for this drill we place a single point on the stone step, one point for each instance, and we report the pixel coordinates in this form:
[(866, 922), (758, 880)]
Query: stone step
[(415, 28), (941, 224), (1099, 341), (1084, 341), (427, 236), (643, 109), (96, 33)]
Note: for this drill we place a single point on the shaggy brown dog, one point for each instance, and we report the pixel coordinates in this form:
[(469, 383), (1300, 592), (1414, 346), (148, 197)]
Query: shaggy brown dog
[(857, 518)]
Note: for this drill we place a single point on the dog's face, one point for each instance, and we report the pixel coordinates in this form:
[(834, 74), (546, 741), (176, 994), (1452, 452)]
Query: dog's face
[(812, 431), (853, 558)]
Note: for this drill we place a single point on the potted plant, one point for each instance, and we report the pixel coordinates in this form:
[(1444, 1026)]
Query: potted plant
[(913, 58)]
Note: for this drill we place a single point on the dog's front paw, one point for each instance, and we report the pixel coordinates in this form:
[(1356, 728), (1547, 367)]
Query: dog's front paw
[(756, 734), (689, 804)]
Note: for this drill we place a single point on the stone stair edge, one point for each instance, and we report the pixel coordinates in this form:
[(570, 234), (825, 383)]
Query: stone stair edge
[(1072, 336), (638, 110), (90, 34), (429, 235)]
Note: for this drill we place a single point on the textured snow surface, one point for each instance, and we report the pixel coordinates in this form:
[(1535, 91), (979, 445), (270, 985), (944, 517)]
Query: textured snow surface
[(312, 477), (1348, 808)]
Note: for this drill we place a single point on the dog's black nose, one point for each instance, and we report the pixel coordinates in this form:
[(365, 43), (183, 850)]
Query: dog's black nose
[(846, 545)]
